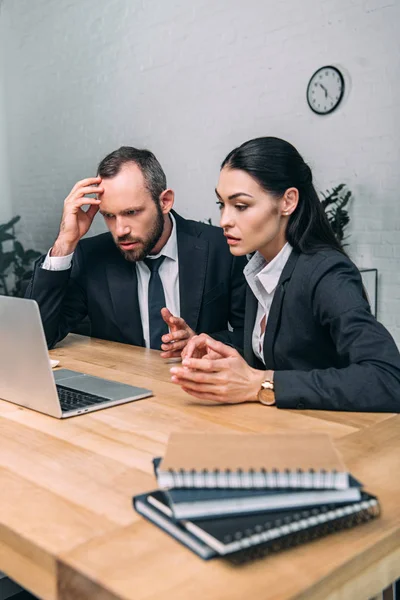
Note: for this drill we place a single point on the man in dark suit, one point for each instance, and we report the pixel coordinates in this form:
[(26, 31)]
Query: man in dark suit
[(154, 280)]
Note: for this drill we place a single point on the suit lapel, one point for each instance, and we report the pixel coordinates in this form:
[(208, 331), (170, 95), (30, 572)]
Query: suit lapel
[(249, 320), (193, 256), (274, 316), (122, 285)]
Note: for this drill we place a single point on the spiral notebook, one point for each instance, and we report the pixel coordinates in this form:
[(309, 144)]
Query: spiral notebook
[(195, 503), (203, 460), (255, 535)]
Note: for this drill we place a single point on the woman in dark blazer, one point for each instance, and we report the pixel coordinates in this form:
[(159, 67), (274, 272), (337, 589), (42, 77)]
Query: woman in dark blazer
[(311, 341)]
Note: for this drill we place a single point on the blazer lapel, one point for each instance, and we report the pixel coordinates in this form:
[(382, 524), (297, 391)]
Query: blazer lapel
[(193, 256), (249, 320), (274, 316), (122, 284)]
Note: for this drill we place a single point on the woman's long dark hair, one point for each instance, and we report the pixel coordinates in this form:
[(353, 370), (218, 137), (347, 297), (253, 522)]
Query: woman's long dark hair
[(276, 166)]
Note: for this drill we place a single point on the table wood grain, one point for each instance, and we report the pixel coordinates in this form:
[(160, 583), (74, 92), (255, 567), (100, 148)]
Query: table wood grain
[(68, 530)]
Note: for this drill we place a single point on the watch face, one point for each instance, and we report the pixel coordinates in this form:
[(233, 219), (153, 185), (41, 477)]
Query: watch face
[(325, 90), (266, 396)]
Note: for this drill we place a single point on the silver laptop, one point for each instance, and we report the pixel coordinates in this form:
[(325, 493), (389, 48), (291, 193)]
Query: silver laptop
[(26, 377)]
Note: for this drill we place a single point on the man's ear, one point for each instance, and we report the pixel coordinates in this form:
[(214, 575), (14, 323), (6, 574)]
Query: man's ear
[(167, 198), (290, 201)]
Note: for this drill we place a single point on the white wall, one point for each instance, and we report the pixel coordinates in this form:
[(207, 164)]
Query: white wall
[(5, 199), (190, 80)]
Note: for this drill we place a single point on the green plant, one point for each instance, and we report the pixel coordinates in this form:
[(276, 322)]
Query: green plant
[(334, 203), (16, 262)]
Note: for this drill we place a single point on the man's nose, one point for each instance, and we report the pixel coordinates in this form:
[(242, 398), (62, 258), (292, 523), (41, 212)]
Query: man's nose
[(121, 227)]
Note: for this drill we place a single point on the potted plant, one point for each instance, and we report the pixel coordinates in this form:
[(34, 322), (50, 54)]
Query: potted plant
[(15, 262), (334, 203)]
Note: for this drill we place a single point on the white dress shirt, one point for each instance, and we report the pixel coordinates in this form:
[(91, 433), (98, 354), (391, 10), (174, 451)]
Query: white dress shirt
[(263, 277), (169, 275)]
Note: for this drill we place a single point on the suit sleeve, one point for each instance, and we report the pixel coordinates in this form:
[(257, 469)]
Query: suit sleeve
[(234, 337), (61, 297), (370, 377)]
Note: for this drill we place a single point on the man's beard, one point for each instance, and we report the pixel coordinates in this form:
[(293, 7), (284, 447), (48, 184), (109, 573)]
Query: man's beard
[(147, 244)]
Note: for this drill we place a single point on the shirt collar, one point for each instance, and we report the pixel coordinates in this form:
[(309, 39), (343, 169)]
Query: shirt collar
[(170, 250), (267, 273)]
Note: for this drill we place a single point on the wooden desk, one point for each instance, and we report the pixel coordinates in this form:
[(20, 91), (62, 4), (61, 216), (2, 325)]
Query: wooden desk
[(68, 530)]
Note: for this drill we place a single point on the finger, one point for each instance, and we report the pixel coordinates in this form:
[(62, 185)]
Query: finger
[(85, 182), (98, 189), (173, 347), (178, 322), (218, 396), (91, 212), (201, 387), (173, 322), (174, 336), (223, 349), (184, 352), (195, 343), (206, 364), (77, 204), (179, 345), (195, 376), (210, 355), (166, 314)]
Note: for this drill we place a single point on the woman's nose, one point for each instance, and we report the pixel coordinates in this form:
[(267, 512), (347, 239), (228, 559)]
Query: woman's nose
[(226, 219)]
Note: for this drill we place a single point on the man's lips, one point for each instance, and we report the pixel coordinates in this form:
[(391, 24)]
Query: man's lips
[(128, 245)]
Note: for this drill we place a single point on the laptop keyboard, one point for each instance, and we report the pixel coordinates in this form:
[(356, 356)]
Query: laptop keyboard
[(71, 399)]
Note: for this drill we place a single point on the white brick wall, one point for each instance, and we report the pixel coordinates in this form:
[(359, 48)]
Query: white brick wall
[(190, 80)]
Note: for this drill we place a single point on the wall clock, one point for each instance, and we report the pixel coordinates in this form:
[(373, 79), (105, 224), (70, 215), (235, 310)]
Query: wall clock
[(325, 90)]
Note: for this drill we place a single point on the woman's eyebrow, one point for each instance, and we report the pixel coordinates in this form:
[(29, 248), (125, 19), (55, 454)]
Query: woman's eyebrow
[(234, 196)]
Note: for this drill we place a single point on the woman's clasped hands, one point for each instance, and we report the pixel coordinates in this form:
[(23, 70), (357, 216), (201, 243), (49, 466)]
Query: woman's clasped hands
[(216, 372)]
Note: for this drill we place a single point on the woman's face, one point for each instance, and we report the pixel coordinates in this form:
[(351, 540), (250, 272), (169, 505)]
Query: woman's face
[(252, 219)]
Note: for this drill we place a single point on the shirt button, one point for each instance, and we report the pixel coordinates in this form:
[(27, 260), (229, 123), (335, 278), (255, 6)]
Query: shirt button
[(300, 405)]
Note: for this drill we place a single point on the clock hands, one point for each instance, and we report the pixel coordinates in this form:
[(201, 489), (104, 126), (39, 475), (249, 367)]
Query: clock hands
[(330, 80), (324, 88)]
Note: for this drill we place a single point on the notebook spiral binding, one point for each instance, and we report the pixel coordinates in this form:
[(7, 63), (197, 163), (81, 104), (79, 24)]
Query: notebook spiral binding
[(341, 518), (254, 479)]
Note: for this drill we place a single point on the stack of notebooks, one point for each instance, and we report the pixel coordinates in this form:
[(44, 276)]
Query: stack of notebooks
[(243, 495)]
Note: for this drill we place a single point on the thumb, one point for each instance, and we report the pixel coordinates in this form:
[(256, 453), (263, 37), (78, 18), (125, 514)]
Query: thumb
[(222, 349), (166, 315)]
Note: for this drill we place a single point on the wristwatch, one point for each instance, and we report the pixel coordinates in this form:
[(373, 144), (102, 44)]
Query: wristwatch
[(266, 395)]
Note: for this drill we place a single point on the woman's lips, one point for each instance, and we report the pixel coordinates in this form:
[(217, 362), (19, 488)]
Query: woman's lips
[(232, 241)]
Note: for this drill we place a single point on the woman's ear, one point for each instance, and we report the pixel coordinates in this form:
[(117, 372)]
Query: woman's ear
[(290, 201)]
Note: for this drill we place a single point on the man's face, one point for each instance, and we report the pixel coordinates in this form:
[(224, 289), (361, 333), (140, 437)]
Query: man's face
[(135, 221)]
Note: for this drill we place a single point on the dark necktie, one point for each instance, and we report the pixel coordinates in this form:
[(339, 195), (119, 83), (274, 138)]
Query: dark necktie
[(156, 296)]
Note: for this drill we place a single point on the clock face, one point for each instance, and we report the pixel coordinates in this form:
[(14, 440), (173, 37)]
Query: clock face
[(325, 90)]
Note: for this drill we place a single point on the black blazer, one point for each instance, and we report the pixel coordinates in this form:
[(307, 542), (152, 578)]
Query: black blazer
[(102, 285), (327, 350)]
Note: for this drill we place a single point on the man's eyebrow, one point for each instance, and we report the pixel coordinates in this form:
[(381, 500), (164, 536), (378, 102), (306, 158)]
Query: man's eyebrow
[(130, 209), (122, 212), (234, 196)]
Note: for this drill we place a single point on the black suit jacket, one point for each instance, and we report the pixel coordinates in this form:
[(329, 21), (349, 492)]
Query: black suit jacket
[(102, 285), (327, 350)]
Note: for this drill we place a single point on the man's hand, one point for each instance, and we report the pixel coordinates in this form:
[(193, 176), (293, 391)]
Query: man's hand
[(75, 222), (227, 379), (177, 338)]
